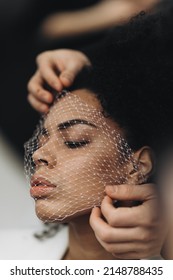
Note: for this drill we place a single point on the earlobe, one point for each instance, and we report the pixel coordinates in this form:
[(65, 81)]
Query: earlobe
[(143, 165)]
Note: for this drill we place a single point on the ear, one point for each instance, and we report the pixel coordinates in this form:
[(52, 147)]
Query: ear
[(144, 165)]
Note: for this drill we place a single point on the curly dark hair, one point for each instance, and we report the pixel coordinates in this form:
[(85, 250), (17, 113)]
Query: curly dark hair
[(132, 75)]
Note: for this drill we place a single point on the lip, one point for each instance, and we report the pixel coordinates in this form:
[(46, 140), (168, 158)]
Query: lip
[(40, 187)]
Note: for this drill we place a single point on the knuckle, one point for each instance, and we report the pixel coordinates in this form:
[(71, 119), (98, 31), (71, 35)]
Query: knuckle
[(104, 236), (40, 56), (110, 248), (111, 220), (128, 191), (145, 236)]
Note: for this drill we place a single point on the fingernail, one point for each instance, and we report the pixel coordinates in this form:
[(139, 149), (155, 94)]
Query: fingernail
[(56, 86), (111, 189)]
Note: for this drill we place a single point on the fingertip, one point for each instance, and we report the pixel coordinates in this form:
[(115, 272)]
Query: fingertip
[(44, 109), (95, 210), (95, 214), (106, 200), (57, 86), (66, 80), (48, 98), (112, 192), (111, 189)]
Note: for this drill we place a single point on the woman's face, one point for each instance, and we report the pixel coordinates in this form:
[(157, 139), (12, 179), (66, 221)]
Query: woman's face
[(80, 152)]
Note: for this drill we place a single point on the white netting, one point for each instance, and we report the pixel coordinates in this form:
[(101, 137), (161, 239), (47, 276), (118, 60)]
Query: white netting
[(74, 153)]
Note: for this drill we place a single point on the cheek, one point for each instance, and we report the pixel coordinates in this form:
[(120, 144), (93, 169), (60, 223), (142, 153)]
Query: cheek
[(82, 171), (81, 177), (80, 189), (88, 171)]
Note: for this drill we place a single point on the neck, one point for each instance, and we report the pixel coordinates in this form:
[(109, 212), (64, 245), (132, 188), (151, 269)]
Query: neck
[(83, 244)]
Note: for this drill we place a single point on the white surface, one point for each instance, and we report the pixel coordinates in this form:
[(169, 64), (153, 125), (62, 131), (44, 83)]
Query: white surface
[(18, 220), (16, 205), (20, 244)]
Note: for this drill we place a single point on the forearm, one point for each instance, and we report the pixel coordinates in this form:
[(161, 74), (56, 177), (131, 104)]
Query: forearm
[(105, 14)]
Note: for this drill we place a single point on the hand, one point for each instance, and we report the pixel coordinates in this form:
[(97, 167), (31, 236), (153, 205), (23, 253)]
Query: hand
[(58, 69), (129, 232)]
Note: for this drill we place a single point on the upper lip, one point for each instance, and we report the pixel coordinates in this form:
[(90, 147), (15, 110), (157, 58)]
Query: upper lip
[(36, 181)]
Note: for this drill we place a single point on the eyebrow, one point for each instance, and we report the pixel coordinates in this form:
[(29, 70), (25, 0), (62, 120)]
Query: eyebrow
[(73, 122)]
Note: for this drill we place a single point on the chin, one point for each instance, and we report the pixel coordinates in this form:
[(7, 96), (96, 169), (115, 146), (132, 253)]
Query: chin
[(45, 213)]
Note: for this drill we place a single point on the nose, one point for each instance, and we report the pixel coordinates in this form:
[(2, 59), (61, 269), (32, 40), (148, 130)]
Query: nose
[(45, 156)]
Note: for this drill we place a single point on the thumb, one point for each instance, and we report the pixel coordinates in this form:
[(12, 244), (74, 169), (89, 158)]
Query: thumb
[(132, 192), (69, 74)]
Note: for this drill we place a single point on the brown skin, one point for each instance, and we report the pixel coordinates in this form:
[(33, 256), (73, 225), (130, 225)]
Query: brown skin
[(83, 242), (101, 155), (64, 61), (134, 232)]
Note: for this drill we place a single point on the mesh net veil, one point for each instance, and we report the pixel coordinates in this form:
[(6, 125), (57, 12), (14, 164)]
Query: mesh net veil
[(73, 154)]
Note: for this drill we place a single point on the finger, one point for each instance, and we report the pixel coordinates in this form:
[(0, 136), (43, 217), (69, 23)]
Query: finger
[(49, 74), (142, 215), (69, 74), (99, 226), (35, 88), (122, 248), (128, 256), (139, 253), (132, 192), (37, 105), (140, 250), (107, 234)]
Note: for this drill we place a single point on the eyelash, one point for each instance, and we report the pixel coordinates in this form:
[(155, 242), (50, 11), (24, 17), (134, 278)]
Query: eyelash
[(43, 134), (75, 145)]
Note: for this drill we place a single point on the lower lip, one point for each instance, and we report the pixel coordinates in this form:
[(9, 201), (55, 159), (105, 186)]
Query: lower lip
[(41, 191)]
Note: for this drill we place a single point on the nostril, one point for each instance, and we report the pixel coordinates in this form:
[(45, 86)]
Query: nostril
[(52, 164), (42, 162)]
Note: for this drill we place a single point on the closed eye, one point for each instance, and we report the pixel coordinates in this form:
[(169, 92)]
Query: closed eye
[(76, 144)]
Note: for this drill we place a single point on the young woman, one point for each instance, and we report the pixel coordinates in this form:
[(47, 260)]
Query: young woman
[(130, 92), (78, 152)]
